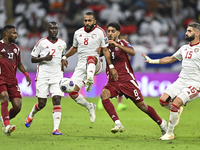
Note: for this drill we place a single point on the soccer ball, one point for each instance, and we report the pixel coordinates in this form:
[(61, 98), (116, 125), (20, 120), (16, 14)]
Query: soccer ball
[(66, 85)]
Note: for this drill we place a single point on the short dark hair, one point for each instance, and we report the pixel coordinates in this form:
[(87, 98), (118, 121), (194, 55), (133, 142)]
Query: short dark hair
[(51, 22), (90, 13), (114, 25), (8, 27), (195, 25)]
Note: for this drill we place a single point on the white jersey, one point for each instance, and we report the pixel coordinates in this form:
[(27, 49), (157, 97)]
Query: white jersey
[(88, 42), (190, 56), (49, 69)]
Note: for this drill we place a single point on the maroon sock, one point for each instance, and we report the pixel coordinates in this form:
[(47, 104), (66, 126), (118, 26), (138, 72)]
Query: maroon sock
[(4, 113), (13, 113), (110, 109), (152, 113)]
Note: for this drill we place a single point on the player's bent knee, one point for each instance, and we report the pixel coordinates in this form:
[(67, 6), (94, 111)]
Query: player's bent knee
[(74, 94), (163, 103), (105, 94), (4, 96), (41, 105), (91, 59)]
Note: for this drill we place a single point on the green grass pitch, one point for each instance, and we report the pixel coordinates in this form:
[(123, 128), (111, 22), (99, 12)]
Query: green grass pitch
[(80, 134)]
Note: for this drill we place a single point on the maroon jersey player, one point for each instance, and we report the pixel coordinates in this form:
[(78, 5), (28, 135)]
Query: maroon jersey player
[(126, 84), (10, 60)]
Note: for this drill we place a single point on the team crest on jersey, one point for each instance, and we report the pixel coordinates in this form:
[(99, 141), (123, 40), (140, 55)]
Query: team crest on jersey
[(60, 48), (94, 36), (15, 50), (116, 48), (196, 50)]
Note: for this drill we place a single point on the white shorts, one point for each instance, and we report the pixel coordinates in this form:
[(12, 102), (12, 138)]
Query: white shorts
[(80, 74), (46, 86), (187, 91)]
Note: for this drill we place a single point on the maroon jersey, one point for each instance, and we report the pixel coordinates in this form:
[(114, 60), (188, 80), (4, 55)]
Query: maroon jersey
[(126, 84), (9, 61), (121, 62)]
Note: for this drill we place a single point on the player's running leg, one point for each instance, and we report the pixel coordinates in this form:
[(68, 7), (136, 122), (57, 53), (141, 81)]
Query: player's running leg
[(113, 115), (56, 119), (31, 115), (79, 99), (163, 126), (172, 121), (90, 72), (153, 115)]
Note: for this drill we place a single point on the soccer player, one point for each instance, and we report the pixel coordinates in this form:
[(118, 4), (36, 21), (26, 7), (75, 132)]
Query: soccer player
[(86, 41), (48, 53), (126, 84), (187, 87), (10, 60)]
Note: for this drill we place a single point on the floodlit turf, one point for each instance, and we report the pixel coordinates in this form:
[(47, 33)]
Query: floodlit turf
[(80, 134)]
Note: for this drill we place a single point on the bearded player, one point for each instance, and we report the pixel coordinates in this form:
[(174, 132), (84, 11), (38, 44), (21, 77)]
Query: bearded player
[(187, 87), (85, 42)]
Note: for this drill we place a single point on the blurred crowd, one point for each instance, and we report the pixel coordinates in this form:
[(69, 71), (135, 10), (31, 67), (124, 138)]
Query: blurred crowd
[(151, 26)]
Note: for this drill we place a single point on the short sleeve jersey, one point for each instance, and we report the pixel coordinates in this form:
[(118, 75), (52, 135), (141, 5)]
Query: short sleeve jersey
[(190, 56), (9, 61), (121, 62), (88, 42), (49, 69)]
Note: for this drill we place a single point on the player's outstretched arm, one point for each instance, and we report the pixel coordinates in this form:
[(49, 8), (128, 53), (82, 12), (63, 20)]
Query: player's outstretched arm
[(23, 70), (164, 60)]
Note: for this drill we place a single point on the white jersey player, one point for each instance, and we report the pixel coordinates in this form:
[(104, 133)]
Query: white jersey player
[(86, 41), (187, 87), (48, 53)]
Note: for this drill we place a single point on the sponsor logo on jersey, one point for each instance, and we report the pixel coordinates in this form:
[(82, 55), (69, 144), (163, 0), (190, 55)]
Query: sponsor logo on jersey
[(3, 50), (196, 50), (94, 36), (116, 48), (47, 47), (59, 47), (15, 50), (80, 35)]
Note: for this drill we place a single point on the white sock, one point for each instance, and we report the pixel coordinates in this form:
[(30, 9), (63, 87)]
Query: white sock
[(82, 101), (56, 119), (168, 106), (34, 110), (172, 121), (117, 122), (90, 70)]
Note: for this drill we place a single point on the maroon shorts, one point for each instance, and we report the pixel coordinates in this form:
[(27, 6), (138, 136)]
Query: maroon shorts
[(128, 89), (12, 89)]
